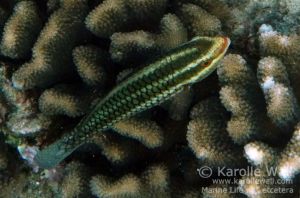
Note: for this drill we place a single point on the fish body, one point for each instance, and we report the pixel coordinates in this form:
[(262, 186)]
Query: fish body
[(154, 84)]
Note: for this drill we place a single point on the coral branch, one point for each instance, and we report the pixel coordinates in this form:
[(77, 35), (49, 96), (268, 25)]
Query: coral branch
[(90, 63), (206, 128), (145, 131), (53, 50), (21, 30)]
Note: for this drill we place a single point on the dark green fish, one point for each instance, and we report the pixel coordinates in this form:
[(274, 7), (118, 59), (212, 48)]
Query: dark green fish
[(154, 84)]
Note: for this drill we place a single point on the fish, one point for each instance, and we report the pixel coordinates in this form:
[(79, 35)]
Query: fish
[(155, 83)]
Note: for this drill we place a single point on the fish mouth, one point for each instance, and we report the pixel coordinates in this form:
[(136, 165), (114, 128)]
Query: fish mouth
[(225, 43)]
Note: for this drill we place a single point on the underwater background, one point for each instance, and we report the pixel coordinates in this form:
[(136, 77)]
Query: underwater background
[(234, 134)]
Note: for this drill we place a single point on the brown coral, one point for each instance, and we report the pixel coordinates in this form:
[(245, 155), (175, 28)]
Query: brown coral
[(90, 62), (207, 127), (145, 131), (153, 183), (52, 51), (199, 22)]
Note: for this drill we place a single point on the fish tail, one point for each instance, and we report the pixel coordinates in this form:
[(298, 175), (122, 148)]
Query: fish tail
[(54, 154)]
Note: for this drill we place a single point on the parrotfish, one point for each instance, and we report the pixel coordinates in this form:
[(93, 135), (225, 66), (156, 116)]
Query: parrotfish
[(155, 83)]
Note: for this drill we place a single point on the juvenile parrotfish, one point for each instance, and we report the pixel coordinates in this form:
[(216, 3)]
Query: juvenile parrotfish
[(152, 85)]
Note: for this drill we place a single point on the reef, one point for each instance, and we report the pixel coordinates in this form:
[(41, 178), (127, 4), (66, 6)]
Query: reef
[(58, 58)]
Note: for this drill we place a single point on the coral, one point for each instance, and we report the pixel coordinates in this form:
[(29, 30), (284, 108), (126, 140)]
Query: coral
[(285, 47), (272, 43), (21, 30), (26, 185), (172, 33), (252, 187), (145, 131), (27, 125), (239, 95), (259, 154), (292, 6), (118, 15), (62, 100), (53, 48), (118, 150), (206, 128), (90, 63), (289, 162), (199, 22), (74, 183), (178, 107), (18, 99), (282, 105), (52, 5), (146, 10), (107, 18), (126, 46), (152, 183), (137, 46), (23, 119), (128, 185)]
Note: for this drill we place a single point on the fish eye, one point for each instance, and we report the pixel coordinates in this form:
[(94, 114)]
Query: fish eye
[(206, 63)]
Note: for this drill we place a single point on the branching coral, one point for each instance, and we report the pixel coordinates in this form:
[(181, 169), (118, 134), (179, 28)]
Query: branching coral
[(74, 183), (259, 154), (125, 46), (286, 48), (119, 15), (52, 5), (107, 18), (146, 10), (252, 186), (21, 30), (289, 162), (145, 131), (128, 185), (53, 50), (26, 185), (204, 132), (90, 63), (118, 150), (172, 32), (179, 105), (61, 101), (153, 183), (273, 43), (199, 22), (282, 105), (137, 46), (239, 95), (23, 120), (27, 125), (271, 166)]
